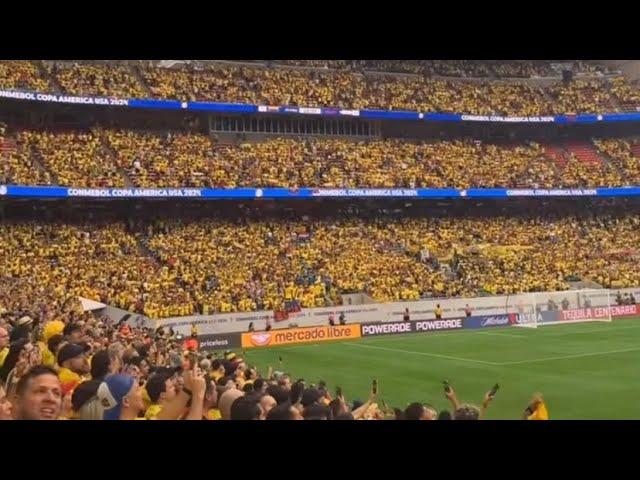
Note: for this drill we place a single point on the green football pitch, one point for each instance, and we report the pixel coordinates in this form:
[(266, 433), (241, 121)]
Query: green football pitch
[(584, 370)]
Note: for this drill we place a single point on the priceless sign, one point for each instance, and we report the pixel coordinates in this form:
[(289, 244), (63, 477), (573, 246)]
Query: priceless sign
[(219, 341)]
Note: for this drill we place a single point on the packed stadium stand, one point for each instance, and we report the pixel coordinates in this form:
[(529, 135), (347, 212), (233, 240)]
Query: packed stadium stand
[(180, 257), (171, 267), (432, 86), (103, 157)]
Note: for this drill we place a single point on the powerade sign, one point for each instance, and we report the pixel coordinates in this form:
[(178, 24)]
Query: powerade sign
[(434, 325), (387, 328), (395, 328), (219, 341)]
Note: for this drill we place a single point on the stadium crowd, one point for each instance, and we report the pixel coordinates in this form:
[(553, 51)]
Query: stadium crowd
[(450, 68), (114, 158), (92, 369), (180, 160), (22, 75), (339, 87), (96, 260), (328, 163), (238, 261), (621, 155), (580, 96), (18, 166), (97, 79), (627, 94), (72, 158), (58, 361)]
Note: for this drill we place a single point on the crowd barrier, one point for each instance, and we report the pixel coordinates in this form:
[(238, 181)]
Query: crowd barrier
[(320, 334), (492, 305)]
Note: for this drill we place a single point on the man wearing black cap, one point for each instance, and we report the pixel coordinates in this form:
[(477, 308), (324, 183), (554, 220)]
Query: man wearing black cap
[(72, 358)]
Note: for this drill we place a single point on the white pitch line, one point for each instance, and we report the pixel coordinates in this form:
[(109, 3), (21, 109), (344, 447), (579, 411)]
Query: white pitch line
[(580, 355), (426, 354), (434, 334)]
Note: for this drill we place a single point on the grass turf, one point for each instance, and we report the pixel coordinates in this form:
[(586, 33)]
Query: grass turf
[(584, 370)]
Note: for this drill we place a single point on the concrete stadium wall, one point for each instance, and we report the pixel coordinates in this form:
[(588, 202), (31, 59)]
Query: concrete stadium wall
[(630, 68)]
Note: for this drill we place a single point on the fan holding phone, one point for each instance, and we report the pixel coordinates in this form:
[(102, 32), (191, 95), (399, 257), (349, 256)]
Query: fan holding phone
[(467, 411)]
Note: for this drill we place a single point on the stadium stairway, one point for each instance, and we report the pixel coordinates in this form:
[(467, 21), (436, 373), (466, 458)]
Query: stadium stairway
[(53, 81), (557, 154), (628, 106), (617, 105), (583, 284), (135, 71), (144, 250), (585, 153), (592, 96), (611, 162), (624, 105), (613, 104), (8, 145), (38, 162), (108, 149), (635, 149)]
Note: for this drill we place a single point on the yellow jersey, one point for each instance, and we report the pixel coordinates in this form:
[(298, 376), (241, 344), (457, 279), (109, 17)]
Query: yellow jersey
[(3, 355), (152, 412), (540, 413)]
